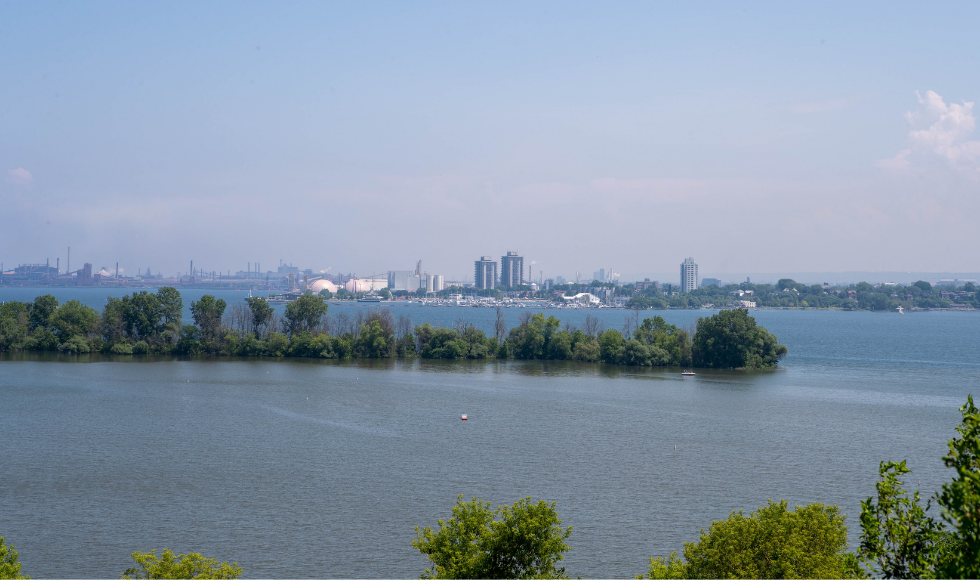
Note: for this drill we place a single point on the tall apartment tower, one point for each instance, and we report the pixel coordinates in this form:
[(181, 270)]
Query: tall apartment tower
[(689, 275), (511, 269), (485, 276)]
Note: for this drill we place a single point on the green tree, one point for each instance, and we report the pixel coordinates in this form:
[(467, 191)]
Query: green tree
[(669, 568), (262, 313), (923, 286), (530, 339), (439, 343), (168, 565), (171, 306), (207, 313), (12, 335), (73, 319), (611, 345), (898, 539), (41, 311), (960, 498), (731, 339), (772, 542), (525, 540), (305, 313), (138, 315), (374, 340), (9, 566)]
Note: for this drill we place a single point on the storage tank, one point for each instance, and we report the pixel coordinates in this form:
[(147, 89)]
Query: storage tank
[(320, 285)]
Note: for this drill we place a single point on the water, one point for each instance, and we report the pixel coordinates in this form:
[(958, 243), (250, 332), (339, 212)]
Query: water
[(323, 468)]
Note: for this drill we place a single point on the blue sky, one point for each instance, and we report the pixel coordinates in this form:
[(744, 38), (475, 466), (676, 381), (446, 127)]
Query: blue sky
[(363, 136)]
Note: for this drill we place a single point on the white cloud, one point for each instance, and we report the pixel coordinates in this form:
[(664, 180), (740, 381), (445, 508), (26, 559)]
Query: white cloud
[(939, 136), (21, 176)]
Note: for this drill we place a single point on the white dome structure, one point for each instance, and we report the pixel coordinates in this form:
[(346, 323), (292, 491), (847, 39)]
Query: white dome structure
[(321, 285)]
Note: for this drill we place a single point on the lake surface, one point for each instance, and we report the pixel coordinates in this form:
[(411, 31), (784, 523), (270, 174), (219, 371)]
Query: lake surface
[(323, 468)]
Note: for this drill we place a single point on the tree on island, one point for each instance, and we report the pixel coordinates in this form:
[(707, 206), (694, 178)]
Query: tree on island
[(731, 339), (261, 312), (207, 313), (304, 313)]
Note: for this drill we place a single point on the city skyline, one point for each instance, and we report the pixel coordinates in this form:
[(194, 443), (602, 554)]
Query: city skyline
[(760, 138)]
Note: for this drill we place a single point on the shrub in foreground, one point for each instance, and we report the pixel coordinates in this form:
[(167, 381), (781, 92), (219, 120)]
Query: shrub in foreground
[(168, 565), (772, 542), (524, 540)]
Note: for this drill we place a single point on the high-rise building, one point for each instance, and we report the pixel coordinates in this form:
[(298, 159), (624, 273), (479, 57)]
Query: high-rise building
[(600, 275), (511, 269), (485, 275), (689, 275)]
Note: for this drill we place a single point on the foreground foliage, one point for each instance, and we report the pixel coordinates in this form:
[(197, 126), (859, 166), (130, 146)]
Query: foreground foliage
[(524, 540), (899, 539), (9, 566), (168, 565), (772, 542)]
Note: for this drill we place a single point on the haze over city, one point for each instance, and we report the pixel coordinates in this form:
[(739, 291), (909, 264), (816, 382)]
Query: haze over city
[(361, 138)]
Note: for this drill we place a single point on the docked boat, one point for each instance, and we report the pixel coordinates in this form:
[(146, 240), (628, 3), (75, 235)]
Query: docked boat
[(370, 299), (687, 374)]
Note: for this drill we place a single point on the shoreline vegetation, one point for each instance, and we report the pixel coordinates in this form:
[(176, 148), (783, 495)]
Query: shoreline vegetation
[(785, 294), (899, 539), (151, 323)]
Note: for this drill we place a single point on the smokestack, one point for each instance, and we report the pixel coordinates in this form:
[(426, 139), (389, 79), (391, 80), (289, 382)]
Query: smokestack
[(117, 270), (58, 265), (192, 270)]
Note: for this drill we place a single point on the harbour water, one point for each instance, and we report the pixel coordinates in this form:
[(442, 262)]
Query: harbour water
[(304, 468)]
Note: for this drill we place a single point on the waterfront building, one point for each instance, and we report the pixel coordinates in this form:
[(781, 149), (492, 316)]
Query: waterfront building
[(404, 280), (485, 273), (511, 269), (689, 275), (646, 283)]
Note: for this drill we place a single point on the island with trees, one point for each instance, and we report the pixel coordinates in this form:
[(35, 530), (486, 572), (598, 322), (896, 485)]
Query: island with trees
[(146, 323)]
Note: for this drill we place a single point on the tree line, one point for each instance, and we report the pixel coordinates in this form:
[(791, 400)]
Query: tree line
[(787, 293), (899, 539), (151, 323)]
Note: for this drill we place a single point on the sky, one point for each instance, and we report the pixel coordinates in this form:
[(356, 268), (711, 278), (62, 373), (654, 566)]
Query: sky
[(363, 136)]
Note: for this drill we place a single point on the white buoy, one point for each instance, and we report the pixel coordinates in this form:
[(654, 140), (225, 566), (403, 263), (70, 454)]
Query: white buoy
[(464, 416)]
